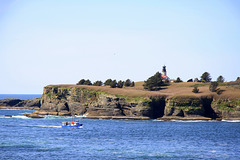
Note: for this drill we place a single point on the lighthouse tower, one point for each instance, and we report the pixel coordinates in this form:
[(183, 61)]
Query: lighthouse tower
[(164, 71), (164, 74)]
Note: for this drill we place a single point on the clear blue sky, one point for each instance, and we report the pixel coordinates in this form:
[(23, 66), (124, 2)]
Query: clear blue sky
[(46, 42)]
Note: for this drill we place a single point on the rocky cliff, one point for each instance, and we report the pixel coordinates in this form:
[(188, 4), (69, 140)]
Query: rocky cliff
[(66, 100), (57, 100), (60, 100)]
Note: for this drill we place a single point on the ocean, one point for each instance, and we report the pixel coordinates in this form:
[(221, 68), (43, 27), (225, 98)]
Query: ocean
[(20, 96), (26, 138)]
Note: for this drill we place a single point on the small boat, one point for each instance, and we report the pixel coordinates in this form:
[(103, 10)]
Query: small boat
[(72, 124)]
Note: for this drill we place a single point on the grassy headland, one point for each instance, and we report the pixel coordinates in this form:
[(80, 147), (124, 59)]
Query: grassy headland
[(174, 89)]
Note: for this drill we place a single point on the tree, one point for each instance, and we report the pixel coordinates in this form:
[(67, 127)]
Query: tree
[(113, 84), (178, 80), (196, 80), (107, 82), (98, 83), (154, 82), (238, 78), (81, 82), (220, 79), (213, 86), (206, 77), (132, 84), (195, 89), (127, 83), (87, 82), (120, 84)]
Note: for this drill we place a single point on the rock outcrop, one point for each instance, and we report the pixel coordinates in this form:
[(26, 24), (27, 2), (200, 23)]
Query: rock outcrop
[(20, 103), (66, 100)]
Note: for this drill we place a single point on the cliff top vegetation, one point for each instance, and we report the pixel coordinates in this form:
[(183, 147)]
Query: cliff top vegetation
[(173, 89)]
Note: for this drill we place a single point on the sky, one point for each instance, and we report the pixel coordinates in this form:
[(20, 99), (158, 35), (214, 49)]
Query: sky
[(45, 42)]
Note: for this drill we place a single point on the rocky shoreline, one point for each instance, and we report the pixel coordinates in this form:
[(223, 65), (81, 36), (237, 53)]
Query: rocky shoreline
[(68, 100)]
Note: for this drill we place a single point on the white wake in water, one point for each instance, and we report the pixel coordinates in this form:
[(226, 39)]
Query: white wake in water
[(43, 126)]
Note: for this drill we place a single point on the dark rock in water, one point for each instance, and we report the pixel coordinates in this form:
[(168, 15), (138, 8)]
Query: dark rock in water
[(33, 115), (29, 103), (8, 115), (10, 102)]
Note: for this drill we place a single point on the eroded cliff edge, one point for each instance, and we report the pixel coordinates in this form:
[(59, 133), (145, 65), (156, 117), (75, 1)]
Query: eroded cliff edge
[(65, 100), (58, 100)]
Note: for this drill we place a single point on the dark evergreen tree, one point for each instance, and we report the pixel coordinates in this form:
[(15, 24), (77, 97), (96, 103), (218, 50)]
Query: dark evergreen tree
[(190, 80), (81, 82), (213, 86), (220, 79), (107, 82), (87, 82), (238, 78), (178, 80), (113, 84), (127, 83), (132, 84), (120, 84), (154, 82), (98, 83), (206, 77)]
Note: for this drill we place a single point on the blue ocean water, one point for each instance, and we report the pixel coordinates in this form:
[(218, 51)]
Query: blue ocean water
[(20, 96), (25, 138)]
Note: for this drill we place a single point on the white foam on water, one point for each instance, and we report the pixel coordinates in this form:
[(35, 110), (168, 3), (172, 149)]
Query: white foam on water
[(158, 120), (21, 117), (43, 126), (188, 121), (233, 121)]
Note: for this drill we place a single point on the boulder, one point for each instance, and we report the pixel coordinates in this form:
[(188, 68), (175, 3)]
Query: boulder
[(33, 115), (10, 102)]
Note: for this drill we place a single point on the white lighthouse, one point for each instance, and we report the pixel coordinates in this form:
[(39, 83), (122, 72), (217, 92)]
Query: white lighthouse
[(164, 74)]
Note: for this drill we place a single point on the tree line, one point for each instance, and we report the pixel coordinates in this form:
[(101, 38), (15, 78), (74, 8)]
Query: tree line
[(155, 82), (108, 82)]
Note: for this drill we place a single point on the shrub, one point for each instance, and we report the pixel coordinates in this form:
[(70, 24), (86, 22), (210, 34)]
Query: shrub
[(195, 89), (87, 82), (220, 79), (98, 83), (127, 83), (132, 84), (219, 91), (154, 82), (113, 84), (120, 84), (178, 80), (108, 82), (81, 82), (213, 86)]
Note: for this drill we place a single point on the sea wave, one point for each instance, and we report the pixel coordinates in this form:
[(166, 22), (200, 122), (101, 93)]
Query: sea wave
[(188, 121), (18, 116), (233, 121)]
